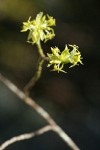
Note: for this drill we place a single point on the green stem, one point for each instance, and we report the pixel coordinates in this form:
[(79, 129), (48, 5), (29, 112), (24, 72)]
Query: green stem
[(38, 72), (40, 50)]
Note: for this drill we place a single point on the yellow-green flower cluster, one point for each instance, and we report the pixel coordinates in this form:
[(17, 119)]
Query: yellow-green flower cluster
[(39, 28), (59, 59)]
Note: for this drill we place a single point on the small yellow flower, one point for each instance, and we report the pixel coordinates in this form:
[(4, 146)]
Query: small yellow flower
[(59, 59), (39, 28)]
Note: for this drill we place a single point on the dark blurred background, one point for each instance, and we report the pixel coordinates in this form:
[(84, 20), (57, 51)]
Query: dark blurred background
[(72, 99)]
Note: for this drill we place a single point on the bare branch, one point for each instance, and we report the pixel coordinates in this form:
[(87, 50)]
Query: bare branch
[(41, 111), (25, 136)]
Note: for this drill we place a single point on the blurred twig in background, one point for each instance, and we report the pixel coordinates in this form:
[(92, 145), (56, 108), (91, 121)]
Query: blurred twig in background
[(52, 124), (25, 136)]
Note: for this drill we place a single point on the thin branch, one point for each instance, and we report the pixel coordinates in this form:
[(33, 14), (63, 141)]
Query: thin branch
[(35, 78), (25, 136), (41, 111), (38, 72)]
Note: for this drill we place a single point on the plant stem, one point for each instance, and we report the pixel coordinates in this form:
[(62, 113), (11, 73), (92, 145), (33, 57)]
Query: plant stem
[(40, 50), (37, 75), (35, 78)]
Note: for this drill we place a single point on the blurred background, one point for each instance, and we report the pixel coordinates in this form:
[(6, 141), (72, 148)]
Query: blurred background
[(72, 99)]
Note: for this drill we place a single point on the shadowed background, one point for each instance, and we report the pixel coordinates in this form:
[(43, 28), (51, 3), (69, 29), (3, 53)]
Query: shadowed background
[(72, 99)]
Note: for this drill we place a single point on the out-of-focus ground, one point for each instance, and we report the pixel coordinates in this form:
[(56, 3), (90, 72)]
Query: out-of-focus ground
[(72, 99)]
